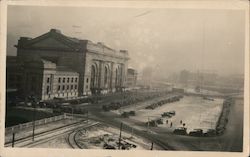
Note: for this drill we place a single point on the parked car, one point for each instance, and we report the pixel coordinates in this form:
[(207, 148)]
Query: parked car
[(125, 114), (180, 131), (132, 113), (152, 123), (159, 121), (42, 104), (172, 113), (166, 114), (196, 132)]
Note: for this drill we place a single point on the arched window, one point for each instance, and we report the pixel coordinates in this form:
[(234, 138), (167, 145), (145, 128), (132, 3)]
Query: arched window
[(106, 76), (116, 77), (93, 76)]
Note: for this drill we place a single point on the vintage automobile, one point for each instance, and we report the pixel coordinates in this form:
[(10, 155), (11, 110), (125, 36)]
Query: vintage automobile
[(180, 131), (196, 132), (166, 114), (172, 113), (159, 121)]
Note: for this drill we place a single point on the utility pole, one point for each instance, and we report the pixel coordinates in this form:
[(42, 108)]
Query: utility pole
[(152, 146), (87, 117), (148, 125), (132, 132), (13, 139), (120, 137), (34, 117)]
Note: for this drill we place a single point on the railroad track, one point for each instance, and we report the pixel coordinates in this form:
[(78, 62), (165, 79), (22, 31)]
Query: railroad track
[(71, 139), (45, 136)]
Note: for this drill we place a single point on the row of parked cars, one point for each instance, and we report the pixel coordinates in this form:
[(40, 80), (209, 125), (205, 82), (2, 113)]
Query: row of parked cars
[(165, 101), (127, 114), (195, 132), (69, 109), (155, 122), (131, 99), (223, 119)]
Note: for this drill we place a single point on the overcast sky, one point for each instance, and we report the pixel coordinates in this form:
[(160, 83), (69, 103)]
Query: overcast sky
[(169, 40)]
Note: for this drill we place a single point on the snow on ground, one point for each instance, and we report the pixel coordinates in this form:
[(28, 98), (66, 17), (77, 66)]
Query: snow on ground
[(195, 112), (94, 138), (40, 128), (59, 142)]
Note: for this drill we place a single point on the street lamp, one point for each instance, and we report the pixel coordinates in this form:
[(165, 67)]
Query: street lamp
[(34, 101), (119, 146)]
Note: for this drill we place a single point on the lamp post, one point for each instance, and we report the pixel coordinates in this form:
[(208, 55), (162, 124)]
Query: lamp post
[(33, 99), (13, 139), (119, 146), (72, 112)]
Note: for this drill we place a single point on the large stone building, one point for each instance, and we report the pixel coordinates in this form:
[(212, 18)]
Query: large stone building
[(94, 68)]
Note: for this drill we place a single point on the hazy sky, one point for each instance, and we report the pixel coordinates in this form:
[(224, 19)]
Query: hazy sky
[(167, 39)]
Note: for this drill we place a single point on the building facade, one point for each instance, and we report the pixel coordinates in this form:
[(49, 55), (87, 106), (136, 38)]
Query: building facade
[(97, 68), (131, 78)]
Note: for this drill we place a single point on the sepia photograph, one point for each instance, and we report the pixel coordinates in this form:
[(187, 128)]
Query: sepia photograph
[(125, 78)]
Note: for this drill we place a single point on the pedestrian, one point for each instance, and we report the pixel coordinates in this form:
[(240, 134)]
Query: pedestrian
[(171, 124), (184, 124), (181, 121)]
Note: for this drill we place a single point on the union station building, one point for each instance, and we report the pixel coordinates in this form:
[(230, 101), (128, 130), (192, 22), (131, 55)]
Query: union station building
[(54, 65)]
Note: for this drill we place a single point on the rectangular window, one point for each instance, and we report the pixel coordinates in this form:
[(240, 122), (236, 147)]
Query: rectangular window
[(63, 80), (63, 87), (58, 88), (75, 86), (75, 79), (72, 79), (59, 80), (68, 80), (48, 80), (72, 87), (67, 87)]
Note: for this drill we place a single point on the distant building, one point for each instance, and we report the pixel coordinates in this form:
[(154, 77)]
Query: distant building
[(178, 90), (199, 78), (147, 76), (53, 56), (131, 78), (184, 77)]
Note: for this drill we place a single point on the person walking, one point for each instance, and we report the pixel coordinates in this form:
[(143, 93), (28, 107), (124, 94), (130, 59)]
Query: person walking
[(171, 124), (181, 121)]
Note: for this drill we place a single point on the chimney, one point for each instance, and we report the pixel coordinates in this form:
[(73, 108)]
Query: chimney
[(55, 31)]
